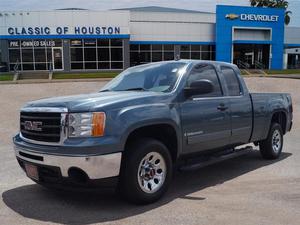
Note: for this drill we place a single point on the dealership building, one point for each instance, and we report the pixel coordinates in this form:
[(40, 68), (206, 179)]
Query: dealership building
[(87, 40)]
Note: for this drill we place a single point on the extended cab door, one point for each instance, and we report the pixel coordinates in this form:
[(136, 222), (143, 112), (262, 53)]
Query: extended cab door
[(240, 106), (205, 118)]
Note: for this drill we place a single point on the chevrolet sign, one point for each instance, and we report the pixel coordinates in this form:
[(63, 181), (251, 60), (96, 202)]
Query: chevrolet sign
[(232, 16), (262, 18), (253, 17)]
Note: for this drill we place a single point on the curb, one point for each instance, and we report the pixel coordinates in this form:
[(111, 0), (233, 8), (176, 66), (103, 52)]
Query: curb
[(37, 81), (29, 81), (287, 76)]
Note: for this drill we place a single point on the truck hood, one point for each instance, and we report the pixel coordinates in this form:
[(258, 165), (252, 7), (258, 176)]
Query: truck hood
[(94, 101)]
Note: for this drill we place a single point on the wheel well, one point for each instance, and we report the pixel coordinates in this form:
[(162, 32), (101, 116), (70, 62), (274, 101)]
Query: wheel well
[(161, 132), (280, 117)]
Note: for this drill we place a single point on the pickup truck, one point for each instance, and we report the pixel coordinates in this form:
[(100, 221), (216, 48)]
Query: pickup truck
[(144, 123)]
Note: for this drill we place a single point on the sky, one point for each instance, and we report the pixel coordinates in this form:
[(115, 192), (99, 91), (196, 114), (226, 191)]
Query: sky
[(200, 5)]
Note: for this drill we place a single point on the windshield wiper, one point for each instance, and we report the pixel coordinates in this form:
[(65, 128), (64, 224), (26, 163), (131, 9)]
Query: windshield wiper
[(135, 89), (105, 90)]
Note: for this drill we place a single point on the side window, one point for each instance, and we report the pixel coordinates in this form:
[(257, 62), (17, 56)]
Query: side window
[(232, 81), (208, 72)]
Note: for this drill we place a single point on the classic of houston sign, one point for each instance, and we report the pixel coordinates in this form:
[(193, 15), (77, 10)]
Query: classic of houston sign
[(64, 30), (253, 17)]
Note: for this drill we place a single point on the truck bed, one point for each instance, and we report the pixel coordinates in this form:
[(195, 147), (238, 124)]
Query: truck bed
[(264, 106)]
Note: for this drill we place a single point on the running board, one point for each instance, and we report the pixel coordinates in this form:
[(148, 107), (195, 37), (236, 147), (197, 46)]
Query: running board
[(215, 158)]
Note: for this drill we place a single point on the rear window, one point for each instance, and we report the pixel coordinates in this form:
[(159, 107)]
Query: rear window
[(232, 82)]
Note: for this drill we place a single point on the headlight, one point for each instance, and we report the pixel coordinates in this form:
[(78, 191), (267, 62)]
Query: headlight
[(86, 124)]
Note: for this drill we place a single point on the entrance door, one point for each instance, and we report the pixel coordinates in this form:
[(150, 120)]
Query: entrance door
[(57, 58), (250, 56)]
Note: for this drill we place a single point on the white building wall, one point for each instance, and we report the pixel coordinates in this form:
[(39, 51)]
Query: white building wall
[(168, 26), (292, 35), (64, 18)]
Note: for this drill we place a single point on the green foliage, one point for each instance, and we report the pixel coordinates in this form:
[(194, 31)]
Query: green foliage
[(282, 4), (84, 75), (6, 77)]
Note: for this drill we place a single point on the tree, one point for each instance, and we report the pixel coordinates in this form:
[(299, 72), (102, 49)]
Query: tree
[(282, 4)]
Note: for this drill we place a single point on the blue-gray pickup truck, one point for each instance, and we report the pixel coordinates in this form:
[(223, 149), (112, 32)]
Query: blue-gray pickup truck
[(144, 123)]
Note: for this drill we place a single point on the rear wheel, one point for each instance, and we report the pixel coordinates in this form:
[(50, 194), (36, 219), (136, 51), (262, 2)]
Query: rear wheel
[(271, 147), (146, 171)]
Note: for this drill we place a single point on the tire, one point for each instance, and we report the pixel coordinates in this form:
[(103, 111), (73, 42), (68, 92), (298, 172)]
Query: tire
[(271, 147), (146, 171)]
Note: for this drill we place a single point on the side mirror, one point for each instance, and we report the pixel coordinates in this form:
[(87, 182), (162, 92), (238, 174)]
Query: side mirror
[(199, 87)]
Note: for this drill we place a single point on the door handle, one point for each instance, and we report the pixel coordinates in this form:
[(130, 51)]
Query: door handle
[(222, 107)]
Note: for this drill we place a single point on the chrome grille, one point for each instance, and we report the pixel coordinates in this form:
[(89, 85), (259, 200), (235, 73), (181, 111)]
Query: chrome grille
[(41, 126)]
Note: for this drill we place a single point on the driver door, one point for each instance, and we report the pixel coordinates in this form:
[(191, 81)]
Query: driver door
[(205, 118)]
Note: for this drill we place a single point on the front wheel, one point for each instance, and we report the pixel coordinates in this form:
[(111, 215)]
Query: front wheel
[(271, 147), (146, 171)]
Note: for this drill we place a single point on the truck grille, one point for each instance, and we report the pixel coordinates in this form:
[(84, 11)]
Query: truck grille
[(41, 126)]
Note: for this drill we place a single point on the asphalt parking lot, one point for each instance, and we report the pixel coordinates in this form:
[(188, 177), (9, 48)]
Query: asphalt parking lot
[(244, 190)]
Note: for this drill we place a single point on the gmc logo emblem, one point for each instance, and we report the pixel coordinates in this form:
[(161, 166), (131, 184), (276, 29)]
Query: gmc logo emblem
[(33, 125)]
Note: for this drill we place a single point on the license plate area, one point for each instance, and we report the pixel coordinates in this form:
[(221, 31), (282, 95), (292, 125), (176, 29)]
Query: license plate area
[(32, 171)]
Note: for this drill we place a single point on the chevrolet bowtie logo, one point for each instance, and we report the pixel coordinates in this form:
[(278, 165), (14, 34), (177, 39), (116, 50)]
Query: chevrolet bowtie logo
[(232, 16)]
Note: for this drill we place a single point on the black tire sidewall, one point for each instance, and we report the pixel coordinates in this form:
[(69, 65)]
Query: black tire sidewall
[(129, 178)]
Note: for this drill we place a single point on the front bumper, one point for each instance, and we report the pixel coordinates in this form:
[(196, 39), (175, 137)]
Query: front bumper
[(95, 167)]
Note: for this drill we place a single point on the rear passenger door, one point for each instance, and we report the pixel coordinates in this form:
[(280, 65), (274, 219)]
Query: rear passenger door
[(240, 107), (205, 118)]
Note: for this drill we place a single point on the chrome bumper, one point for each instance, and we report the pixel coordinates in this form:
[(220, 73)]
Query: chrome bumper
[(96, 167)]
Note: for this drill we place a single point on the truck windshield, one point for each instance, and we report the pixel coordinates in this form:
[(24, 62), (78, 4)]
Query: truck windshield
[(159, 77)]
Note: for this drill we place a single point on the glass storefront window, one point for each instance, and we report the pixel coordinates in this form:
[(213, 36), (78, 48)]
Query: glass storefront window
[(185, 55), (76, 43), (157, 56), (157, 47), (28, 66), (145, 57), (116, 42), (141, 53), (169, 47), (145, 47), (204, 52), (89, 42), (116, 65), (103, 54), (34, 54), (116, 54), (77, 66), (27, 55), (205, 55), (40, 66), (196, 48), (103, 42), (103, 65), (49, 54), (134, 47), (90, 65), (40, 55), (93, 54), (90, 54), (185, 48), (168, 55), (14, 55), (76, 54), (195, 55)]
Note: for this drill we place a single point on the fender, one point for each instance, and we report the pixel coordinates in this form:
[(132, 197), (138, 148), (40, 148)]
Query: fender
[(140, 116)]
